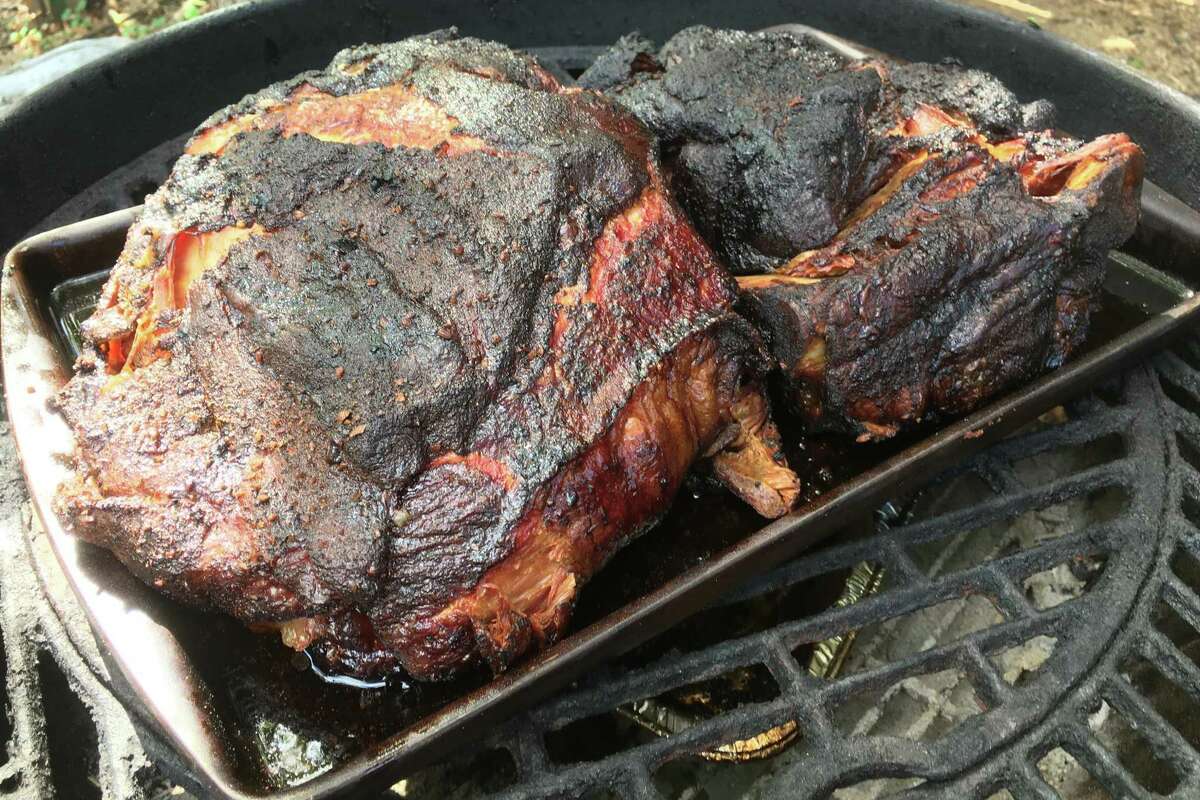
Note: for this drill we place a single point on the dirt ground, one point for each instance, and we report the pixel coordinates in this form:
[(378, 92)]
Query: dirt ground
[(1158, 37)]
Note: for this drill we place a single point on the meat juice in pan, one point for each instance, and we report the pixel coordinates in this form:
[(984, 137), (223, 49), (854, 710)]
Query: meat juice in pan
[(499, 344)]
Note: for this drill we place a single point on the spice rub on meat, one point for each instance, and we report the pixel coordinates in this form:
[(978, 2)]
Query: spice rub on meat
[(401, 352)]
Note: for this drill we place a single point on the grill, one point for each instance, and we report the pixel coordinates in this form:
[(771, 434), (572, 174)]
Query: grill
[(1036, 626), (1104, 496)]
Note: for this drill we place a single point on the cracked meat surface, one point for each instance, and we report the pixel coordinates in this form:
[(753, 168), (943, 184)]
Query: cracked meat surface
[(401, 352), (763, 133)]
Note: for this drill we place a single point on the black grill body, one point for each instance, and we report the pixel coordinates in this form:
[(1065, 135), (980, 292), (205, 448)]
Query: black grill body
[(80, 129), (1127, 465), (1139, 440)]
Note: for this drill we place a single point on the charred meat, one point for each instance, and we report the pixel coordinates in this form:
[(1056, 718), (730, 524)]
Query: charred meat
[(401, 352), (971, 271), (763, 133), (910, 238), (773, 139)]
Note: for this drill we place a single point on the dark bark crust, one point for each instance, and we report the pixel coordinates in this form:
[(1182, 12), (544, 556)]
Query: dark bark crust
[(935, 304), (948, 301), (283, 450), (773, 139)]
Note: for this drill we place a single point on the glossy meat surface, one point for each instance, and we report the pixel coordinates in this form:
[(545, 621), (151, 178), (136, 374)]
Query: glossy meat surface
[(400, 353)]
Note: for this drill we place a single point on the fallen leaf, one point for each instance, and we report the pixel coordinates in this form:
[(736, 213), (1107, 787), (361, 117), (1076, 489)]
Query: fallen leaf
[(1118, 44), (1024, 8)]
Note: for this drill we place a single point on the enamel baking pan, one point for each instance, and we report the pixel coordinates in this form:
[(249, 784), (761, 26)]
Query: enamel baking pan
[(191, 677)]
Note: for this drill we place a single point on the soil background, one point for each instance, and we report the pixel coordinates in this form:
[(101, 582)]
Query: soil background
[(1161, 38)]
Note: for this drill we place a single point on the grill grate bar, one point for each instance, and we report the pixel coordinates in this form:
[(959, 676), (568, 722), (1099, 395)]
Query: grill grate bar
[(1175, 666), (640, 786), (1072, 433), (902, 571), (1190, 478), (1178, 371), (792, 678), (994, 689), (820, 563), (1164, 741), (1095, 541), (1008, 599), (1189, 436), (655, 680), (1102, 765), (1182, 600), (1111, 475), (1186, 424), (1189, 537), (1027, 784), (944, 656), (979, 580), (529, 753), (999, 478)]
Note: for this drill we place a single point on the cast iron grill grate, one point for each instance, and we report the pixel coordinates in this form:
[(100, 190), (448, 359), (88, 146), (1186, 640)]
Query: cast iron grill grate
[(1112, 495), (1074, 545), (1126, 492)]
